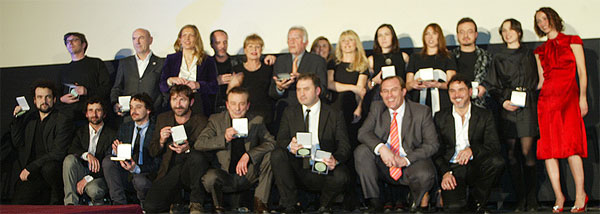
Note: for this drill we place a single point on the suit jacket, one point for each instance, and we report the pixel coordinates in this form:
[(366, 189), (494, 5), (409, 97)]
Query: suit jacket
[(333, 135), (258, 142), (419, 138), (483, 137), (310, 63), (128, 81), (125, 135), (193, 126), (57, 135), (81, 144)]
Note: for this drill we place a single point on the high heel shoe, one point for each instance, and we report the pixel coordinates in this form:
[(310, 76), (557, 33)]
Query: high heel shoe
[(557, 209), (580, 209)]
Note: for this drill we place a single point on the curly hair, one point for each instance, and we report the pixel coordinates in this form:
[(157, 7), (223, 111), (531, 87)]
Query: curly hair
[(553, 19)]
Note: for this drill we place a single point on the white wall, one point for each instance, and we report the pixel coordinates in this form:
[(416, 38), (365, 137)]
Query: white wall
[(31, 30)]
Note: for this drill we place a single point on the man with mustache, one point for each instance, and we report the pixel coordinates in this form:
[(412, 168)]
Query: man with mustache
[(181, 165), (142, 166), (242, 160), (82, 172), (469, 153), (40, 138)]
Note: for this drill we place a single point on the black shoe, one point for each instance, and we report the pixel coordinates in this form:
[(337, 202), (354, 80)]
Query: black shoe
[(521, 206), (324, 210), (375, 206), (482, 209), (292, 209)]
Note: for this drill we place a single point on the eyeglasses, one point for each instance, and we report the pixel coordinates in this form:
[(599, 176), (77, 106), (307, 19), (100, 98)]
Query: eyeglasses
[(72, 40)]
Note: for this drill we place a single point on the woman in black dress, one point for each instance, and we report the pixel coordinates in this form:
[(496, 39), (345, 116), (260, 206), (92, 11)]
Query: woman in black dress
[(255, 76), (513, 68), (386, 52), (434, 55)]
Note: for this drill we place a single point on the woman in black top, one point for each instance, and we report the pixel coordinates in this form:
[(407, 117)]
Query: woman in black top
[(434, 55), (256, 77), (386, 52), (514, 68)]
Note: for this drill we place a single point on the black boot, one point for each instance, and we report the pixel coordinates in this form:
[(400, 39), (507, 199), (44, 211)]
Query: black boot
[(531, 183), (519, 186)]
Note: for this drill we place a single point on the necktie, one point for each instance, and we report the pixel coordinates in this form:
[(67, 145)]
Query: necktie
[(395, 172), (306, 119), (295, 65), (136, 145)]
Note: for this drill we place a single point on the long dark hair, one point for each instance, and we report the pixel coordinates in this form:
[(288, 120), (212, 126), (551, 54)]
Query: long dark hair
[(395, 45)]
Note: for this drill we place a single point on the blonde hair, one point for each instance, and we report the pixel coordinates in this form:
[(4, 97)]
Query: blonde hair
[(199, 47), (253, 38), (359, 63)]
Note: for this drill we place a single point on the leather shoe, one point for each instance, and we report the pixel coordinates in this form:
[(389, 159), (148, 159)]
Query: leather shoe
[(375, 206), (196, 208), (324, 210), (259, 206)]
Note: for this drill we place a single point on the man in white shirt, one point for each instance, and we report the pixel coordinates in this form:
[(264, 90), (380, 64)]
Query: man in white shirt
[(469, 154), (139, 73), (82, 172), (398, 139)]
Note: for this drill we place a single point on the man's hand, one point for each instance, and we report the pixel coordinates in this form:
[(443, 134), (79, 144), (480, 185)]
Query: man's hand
[(242, 166), (17, 110), (93, 163), (117, 109), (387, 156), (283, 84), (294, 146), (24, 174), (481, 90), (270, 59), (507, 105), (69, 98), (165, 133), (400, 161), (224, 79), (180, 148), (81, 90), (81, 186), (464, 156), (229, 132), (448, 181), (331, 162), (128, 165), (115, 144)]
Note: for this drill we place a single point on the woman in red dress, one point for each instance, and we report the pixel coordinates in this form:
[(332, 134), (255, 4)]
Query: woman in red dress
[(561, 104)]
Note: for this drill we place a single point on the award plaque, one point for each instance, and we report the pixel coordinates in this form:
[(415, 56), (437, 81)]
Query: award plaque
[(304, 139)]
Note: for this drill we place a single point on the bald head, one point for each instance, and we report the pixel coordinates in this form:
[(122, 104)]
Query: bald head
[(141, 42)]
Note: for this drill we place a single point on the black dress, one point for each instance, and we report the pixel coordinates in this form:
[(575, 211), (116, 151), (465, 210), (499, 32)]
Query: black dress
[(346, 101), (257, 82), (509, 70), (418, 61), (381, 60)]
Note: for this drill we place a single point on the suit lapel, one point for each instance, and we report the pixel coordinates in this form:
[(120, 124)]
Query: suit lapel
[(451, 128), (151, 65), (473, 123), (323, 120), (86, 139), (406, 120)]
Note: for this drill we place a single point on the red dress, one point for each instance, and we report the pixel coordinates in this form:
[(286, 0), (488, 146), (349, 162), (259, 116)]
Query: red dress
[(562, 132)]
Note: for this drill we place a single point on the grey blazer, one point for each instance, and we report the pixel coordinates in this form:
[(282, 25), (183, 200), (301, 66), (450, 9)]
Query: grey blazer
[(128, 81), (419, 137), (258, 142), (310, 63)]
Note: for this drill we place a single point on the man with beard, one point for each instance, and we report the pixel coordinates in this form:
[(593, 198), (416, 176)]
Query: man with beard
[(242, 160), (181, 167), (469, 154), (82, 173), (142, 165), (40, 138), (471, 60), (139, 73), (83, 77)]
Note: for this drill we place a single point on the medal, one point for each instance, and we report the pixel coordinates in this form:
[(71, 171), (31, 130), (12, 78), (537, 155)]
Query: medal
[(388, 61)]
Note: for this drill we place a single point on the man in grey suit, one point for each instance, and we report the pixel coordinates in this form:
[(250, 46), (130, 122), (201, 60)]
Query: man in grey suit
[(243, 160), (296, 62), (398, 140), (139, 73)]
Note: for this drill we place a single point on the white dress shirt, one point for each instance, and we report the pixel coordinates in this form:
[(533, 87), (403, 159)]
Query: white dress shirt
[(93, 143), (188, 73), (461, 132), (313, 120), (142, 64), (399, 117)]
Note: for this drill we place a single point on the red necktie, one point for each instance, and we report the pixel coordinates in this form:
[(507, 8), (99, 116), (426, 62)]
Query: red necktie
[(395, 172)]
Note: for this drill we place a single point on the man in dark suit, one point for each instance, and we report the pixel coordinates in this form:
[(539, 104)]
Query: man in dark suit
[(82, 173), (178, 168), (243, 160), (328, 131), (40, 138), (142, 165), (139, 73), (398, 140), (469, 154), (298, 61)]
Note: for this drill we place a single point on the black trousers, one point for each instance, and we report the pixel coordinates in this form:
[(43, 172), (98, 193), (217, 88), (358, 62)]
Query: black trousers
[(290, 174), (183, 176), (479, 175), (39, 184)]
